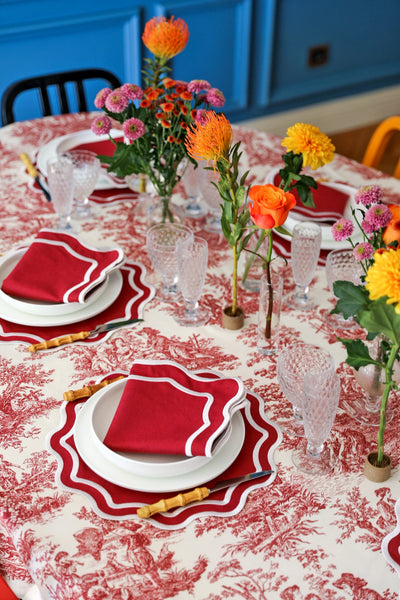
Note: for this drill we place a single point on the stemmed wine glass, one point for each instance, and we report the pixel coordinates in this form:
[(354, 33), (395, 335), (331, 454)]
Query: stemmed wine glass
[(305, 247), (213, 200), (192, 267), (194, 208), (86, 169), (293, 363), (61, 187), (321, 392), (342, 266), (161, 244)]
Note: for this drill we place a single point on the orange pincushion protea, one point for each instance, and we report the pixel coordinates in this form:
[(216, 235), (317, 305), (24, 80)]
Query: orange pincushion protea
[(165, 38), (210, 140)]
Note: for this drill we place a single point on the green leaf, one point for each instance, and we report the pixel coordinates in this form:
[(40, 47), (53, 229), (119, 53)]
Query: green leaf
[(283, 230), (357, 353), (352, 299), (382, 318)]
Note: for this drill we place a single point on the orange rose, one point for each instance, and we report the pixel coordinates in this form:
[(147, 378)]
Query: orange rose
[(270, 205), (392, 231)]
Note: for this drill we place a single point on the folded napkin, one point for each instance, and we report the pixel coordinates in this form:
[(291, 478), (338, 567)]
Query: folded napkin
[(58, 267), (166, 409), (330, 203)]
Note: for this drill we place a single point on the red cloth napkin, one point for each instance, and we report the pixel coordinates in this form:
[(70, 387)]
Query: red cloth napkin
[(330, 203), (58, 267), (165, 409)]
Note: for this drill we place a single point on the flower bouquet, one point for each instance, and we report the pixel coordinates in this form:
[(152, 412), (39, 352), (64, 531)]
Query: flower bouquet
[(211, 139), (375, 304), (155, 118)]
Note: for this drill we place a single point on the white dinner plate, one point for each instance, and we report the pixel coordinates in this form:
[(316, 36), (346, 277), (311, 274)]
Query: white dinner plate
[(36, 307), (106, 298), (120, 474), (327, 241), (103, 409), (70, 141)]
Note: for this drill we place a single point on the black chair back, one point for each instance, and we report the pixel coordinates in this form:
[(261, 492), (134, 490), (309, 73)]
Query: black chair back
[(59, 81)]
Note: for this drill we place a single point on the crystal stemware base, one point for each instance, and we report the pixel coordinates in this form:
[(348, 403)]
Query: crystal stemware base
[(312, 463), (191, 318), (368, 411), (300, 300)]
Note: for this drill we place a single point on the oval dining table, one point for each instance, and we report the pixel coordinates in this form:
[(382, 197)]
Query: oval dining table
[(67, 532)]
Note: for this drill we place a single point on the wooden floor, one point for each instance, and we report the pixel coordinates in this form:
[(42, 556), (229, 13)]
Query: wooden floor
[(353, 144)]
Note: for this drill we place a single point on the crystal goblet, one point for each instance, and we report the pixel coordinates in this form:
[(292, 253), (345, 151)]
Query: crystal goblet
[(320, 397), (161, 244), (371, 378), (342, 266), (194, 208), (213, 200), (61, 187), (192, 267), (86, 169), (305, 248), (293, 363)]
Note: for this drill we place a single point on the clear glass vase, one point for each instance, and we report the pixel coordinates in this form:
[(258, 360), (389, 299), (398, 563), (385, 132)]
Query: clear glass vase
[(269, 313)]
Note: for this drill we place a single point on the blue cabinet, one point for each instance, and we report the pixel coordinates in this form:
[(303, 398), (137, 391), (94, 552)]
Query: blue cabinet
[(265, 55)]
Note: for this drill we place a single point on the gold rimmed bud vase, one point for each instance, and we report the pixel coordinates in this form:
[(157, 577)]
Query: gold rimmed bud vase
[(269, 313)]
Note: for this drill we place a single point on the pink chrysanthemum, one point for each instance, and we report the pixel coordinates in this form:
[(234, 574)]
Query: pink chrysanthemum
[(201, 116), (132, 91), (215, 97), (133, 129), (379, 215), (363, 251), (101, 97), (116, 102), (198, 85), (371, 194), (368, 227), (342, 229), (101, 125)]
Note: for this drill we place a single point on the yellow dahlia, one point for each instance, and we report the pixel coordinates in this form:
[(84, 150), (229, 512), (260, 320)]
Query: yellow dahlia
[(210, 139), (316, 148), (383, 277), (165, 38)]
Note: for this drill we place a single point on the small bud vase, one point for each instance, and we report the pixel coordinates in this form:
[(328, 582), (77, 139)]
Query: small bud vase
[(376, 473), (230, 321), (269, 313)]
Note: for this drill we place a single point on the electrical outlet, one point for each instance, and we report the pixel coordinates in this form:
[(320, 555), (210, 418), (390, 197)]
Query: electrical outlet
[(318, 55)]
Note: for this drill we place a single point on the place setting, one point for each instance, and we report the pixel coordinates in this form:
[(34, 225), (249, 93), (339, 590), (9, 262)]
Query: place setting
[(108, 189), (59, 286), (126, 457), (327, 195)]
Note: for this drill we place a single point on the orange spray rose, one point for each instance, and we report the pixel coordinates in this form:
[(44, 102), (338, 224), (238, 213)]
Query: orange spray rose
[(270, 205)]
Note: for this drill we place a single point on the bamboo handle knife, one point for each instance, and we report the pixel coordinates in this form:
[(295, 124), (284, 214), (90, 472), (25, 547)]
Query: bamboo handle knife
[(66, 339), (88, 390), (164, 505)]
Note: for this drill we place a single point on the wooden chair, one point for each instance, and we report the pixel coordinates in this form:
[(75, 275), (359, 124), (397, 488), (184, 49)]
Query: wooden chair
[(379, 141), (59, 81)]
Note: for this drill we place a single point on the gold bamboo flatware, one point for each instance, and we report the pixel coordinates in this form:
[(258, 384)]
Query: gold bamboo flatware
[(88, 390), (33, 173), (197, 494), (82, 335)]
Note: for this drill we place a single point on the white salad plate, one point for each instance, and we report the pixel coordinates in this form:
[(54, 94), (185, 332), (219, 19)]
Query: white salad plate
[(137, 471), (70, 141), (36, 307), (109, 294), (327, 241)]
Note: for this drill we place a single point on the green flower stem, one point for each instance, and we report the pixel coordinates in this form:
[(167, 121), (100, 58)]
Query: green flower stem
[(268, 321), (389, 384), (235, 246)]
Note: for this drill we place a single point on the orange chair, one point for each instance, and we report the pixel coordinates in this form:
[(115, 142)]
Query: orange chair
[(378, 142)]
